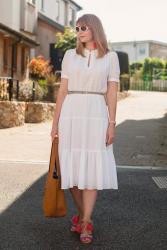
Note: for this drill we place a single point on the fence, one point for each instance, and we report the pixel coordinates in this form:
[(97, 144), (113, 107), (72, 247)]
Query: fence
[(9, 89), (154, 85)]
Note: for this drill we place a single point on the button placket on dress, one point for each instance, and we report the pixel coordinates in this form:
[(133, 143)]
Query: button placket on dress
[(89, 61), (90, 54)]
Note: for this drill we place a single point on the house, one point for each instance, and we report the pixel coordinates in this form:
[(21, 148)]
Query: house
[(139, 50), (53, 16), (27, 28), (15, 44)]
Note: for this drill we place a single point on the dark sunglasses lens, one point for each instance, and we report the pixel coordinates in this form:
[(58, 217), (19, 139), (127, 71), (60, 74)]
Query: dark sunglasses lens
[(83, 28), (77, 29)]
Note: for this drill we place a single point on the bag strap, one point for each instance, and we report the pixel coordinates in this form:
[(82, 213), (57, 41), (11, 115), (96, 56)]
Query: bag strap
[(56, 171), (50, 157)]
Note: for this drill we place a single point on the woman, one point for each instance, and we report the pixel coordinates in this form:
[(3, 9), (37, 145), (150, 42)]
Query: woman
[(84, 120)]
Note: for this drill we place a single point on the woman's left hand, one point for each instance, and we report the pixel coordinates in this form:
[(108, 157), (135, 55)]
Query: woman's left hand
[(110, 134)]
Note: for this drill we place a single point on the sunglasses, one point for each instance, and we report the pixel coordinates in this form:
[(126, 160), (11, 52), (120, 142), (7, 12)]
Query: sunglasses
[(81, 28)]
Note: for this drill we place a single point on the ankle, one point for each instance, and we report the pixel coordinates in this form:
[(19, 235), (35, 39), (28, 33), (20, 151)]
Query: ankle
[(86, 220), (86, 226), (80, 214)]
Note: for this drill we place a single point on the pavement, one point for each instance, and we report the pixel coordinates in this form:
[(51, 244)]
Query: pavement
[(140, 140), (130, 218), (141, 133)]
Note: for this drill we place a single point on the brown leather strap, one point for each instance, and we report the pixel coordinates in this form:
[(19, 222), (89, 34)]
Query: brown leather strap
[(84, 92)]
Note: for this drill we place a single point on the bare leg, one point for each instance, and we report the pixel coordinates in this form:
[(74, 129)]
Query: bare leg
[(77, 197), (88, 199)]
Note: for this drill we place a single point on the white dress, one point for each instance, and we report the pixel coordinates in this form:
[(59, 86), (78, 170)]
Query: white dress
[(85, 160)]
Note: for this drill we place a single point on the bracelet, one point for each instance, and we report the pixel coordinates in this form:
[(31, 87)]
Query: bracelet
[(114, 122)]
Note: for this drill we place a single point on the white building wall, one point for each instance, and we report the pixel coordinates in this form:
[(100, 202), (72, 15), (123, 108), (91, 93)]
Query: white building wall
[(57, 8), (53, 9), (136, 51), (62, 16), (16, 14), (10, 13), (72, 8)]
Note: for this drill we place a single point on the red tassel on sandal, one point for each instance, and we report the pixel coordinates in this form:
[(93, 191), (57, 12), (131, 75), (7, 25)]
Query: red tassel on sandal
[(75, 227)]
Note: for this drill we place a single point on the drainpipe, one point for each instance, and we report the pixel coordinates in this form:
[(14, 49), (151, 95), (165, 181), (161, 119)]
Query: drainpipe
[(13, 49)]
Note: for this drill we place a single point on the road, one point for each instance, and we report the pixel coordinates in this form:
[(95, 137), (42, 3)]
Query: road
[(132, 217)]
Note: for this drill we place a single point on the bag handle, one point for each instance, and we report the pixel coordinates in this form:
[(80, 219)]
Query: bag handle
[(56, 171)]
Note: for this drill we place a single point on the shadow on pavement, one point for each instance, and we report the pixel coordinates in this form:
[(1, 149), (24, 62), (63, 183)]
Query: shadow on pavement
[(132, 217), (141, 142)]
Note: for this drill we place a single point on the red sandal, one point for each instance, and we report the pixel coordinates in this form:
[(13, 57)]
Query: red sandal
[(86, 235), (75, 227)]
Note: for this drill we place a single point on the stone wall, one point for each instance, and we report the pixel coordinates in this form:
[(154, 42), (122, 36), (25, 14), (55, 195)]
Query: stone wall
[(12, 114), (38, 112), (15, 113)]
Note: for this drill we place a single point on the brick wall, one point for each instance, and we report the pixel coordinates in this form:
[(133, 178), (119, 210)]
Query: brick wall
[(46, 35)]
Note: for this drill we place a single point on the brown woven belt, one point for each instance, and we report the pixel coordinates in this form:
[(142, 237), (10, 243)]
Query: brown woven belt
[(84, 92)]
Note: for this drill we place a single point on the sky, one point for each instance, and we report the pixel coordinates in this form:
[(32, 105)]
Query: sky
[(129, 20)]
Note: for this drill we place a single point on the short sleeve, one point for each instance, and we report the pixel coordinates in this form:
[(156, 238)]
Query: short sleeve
[(114, 70), (65, 65)]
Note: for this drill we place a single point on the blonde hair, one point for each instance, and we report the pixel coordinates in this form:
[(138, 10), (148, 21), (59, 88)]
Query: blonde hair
[(99, 37)]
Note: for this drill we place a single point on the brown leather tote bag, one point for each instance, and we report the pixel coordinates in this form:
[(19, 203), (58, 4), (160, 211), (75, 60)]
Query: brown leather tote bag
[(54, 203)]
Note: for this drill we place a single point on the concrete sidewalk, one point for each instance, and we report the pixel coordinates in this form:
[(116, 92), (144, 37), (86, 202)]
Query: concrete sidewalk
[(141, 134), (130, 218)]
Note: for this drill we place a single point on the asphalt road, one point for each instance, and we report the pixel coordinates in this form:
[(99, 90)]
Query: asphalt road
[(130, 218), (141, 135)]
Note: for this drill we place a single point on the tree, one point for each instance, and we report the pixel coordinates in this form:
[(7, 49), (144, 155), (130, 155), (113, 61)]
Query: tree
[(151, 64), (67, 40)]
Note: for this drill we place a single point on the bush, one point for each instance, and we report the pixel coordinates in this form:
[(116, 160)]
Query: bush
[(39, 67), (67, 40), (25, 91), (135, 66)]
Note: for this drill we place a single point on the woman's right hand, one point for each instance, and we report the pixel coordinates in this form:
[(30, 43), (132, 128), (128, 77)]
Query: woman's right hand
[(54, 133)]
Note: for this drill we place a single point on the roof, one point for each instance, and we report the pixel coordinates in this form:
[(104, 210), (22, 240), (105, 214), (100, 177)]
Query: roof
[(141, 41), (19, 35), (77, 5)]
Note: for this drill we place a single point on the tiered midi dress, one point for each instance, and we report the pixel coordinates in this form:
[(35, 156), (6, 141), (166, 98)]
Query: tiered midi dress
[(85, 159)]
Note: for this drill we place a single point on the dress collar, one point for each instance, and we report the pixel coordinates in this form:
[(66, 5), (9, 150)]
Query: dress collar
[(93, 51)]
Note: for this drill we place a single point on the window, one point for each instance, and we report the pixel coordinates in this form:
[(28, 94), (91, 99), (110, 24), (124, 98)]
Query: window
[(42, 5), (142, 51), (71, 16), (57, 10)]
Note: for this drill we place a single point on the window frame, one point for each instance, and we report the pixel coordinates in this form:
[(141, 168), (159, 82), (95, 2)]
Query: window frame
[(32, 2), (42, 5), (58, 10), (72, 16)]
